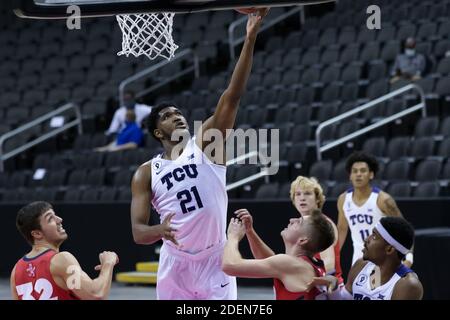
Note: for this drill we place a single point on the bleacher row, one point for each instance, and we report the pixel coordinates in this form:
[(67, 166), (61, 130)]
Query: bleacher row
[(300, 79), (108, 180), (45, 65)]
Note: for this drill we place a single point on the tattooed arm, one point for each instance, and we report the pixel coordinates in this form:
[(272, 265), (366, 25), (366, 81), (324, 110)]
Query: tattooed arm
[(388, 205)]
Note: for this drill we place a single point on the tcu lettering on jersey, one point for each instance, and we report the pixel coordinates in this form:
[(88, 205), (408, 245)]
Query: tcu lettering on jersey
[(361, 218), (193, 188), (179, 174)]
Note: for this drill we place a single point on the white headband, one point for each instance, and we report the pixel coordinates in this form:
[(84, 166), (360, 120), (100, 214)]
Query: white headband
[(386, 236)]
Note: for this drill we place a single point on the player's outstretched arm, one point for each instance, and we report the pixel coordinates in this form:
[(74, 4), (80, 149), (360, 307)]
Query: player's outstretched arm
[(227, 107), (66, 267), (342, 224), (259, 248), (140, 211), (233, 263), (278, 266)]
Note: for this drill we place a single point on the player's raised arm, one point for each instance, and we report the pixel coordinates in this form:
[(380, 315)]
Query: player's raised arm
[(140, 211), (259, 248), (234, 264), (66, 267), (226, 110)]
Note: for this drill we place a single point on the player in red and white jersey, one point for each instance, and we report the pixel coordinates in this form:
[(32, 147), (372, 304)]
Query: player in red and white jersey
[(306, 195), (44, 273), (293, 271), (282, 293)]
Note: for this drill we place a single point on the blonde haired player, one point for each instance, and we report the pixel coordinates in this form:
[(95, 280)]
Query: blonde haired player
[(292, 271), (307, 196)]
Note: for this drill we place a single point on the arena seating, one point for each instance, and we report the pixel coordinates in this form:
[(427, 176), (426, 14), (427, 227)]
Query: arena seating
[(300, 79)]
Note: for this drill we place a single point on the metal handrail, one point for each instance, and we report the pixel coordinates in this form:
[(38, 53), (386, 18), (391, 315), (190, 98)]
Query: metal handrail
[(263, 173), (48, 135), (232, 42), (370, 104), (194, 67)]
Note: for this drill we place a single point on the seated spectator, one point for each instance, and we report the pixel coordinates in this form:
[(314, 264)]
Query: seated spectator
[(410, 65), (130, 137), (118, 121)]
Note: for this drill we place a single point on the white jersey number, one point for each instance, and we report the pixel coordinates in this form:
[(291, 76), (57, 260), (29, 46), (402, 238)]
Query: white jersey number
[(42, 287)]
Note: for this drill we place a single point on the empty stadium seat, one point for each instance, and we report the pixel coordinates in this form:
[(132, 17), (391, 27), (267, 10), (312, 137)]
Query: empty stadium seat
[(398, 147), (427, 190), (427, 127), (267, 191), (422, 147), (428, 170), (399, 189), (397, 170), (321, 170)]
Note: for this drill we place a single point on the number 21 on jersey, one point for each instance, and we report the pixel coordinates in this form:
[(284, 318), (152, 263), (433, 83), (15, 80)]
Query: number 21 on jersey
[(185, 197)]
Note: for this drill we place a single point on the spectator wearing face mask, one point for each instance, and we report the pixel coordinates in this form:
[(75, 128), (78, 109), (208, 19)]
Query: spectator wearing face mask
[(140, 110), (410, 65), (130, 137)]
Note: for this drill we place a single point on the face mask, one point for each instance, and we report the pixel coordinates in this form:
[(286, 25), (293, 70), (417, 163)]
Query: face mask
[(410, 52), (129, 104)]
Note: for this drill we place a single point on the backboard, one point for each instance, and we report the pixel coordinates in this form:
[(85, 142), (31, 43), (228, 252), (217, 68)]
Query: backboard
[(57, 9)]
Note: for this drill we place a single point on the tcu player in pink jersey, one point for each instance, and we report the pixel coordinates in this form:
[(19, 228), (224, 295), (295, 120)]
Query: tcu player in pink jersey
[(45, 273), (186, 186)]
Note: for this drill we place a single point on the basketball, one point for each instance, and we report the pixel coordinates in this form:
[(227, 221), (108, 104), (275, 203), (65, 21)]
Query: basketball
[(246, 10)]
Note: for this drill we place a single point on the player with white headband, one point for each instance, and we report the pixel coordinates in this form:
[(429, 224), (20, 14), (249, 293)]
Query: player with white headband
[(391, 239)]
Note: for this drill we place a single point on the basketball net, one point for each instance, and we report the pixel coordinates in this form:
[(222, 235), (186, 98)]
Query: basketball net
[(148, 34)]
